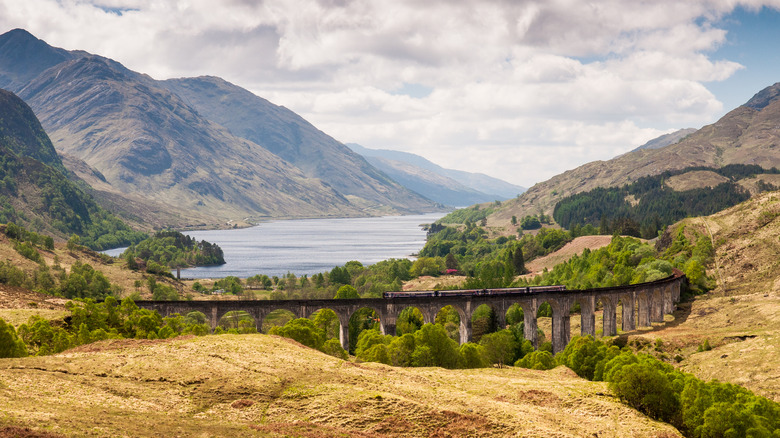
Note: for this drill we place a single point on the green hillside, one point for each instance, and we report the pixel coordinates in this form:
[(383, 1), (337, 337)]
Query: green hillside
[(35, 192)]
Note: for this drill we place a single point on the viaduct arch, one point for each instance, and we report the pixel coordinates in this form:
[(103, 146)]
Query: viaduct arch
[(642, 305)]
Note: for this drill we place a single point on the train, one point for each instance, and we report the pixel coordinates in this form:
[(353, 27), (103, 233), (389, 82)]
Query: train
[(474, 292)]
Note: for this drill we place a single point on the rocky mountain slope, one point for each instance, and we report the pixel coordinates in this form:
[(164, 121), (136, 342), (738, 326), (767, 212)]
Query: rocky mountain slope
[(747, 135), (292, 138), (448, 186), (148, 143), (667, 139), (35, 191)]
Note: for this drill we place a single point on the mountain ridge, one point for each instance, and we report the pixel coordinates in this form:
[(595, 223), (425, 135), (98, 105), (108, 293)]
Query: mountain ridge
[(744, 135), (289, 136)]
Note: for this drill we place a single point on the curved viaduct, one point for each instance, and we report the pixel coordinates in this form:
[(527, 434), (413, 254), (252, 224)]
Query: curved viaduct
[(642, 305)]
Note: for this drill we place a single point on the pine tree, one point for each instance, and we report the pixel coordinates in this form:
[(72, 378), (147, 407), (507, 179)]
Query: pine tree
[(518, 261)]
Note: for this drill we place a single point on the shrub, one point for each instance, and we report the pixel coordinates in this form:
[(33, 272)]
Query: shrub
[(538, 360), (10, 344), (646, 389)]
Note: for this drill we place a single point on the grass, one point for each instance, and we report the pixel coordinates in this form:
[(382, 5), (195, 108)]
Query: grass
[(259, 385)]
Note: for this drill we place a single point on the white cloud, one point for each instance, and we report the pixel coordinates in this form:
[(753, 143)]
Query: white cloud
[(520, 89)]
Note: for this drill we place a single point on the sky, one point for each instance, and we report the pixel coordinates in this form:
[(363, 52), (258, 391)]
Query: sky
[(517, 89)]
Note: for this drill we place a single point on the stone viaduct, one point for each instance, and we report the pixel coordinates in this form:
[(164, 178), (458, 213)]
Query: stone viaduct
[(642, 304)]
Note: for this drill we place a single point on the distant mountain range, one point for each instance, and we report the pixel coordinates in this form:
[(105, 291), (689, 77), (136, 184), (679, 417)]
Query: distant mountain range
[(746, 135), (194, 151), (447, 186)]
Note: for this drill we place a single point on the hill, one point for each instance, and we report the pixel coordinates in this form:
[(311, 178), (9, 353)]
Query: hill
[(746, 135), (148, 143), (741, 317), (448, 186), (259, 385)]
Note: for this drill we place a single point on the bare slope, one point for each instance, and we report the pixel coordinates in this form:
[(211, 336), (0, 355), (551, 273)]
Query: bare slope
[(746, 135), (572, 248), (258, 385)]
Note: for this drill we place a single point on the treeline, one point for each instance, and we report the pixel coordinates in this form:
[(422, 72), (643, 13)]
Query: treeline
[(418, 344), (63, 206), (369, 281), (698, 409), (473, 214), (83, 281), (90, 322), (173, 249), (646, 206), (626, 260)]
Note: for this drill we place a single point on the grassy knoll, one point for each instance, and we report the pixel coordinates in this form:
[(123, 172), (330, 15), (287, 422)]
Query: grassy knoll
[(259, 385)]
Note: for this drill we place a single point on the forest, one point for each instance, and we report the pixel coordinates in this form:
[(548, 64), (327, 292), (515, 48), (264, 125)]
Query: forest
[(646, 206)]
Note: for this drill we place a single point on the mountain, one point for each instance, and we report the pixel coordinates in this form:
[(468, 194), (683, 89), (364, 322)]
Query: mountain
[(36, 193), (289, 136), (448, 186), (667, 139), (23, 57), (746, 135), (148, 143)]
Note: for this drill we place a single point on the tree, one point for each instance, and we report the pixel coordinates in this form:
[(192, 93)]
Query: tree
[(339, 276), (530, 223), (538, 360), (646, 389), (500, 347), (432, 266), (434, 348), (10, 344), (302, 330), (346, 292), (473, 355), (409, 321), (73, 242), (450, 262), (328, 321), (518, 261), (332, 347)]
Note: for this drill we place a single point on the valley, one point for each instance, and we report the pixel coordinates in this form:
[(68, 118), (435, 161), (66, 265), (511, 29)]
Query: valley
[(94, 155)]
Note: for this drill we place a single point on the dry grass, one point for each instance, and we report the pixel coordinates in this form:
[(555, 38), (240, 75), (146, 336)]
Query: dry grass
[(741, 317), (576, 246), (258, 385), (696, 179)]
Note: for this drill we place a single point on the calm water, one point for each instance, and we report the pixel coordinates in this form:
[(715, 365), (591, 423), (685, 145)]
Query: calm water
[(310, 246)]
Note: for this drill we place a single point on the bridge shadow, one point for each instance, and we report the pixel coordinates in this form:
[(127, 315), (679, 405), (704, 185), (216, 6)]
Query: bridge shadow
[(681, 313)]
